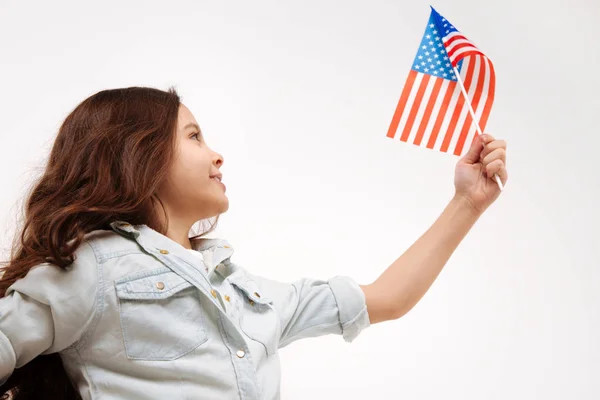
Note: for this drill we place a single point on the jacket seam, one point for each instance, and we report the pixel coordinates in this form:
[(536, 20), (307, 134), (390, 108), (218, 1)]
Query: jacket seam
[(98, 301)]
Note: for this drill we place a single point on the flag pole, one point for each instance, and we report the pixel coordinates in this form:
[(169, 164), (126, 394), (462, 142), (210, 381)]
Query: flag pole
[(468, 101)]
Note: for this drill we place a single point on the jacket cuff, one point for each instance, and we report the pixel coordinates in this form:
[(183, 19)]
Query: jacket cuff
[(352, 306)]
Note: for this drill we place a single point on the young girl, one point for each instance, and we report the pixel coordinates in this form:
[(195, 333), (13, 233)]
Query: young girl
[(107, 297)]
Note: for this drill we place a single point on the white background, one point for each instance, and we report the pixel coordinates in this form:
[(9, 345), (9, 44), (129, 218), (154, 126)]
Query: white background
[(298, 97)]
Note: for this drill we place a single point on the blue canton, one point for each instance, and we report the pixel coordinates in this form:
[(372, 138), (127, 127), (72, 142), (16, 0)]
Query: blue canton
[(432, 58)]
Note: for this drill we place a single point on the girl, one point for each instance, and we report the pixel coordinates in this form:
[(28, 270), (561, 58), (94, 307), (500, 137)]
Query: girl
[(107, 297)]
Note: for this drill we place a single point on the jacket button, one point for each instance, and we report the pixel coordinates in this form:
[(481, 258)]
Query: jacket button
[(251, 302), (227, 298), (164, 252), (214, 294), (240, 353), (257, 295), (160, 285)]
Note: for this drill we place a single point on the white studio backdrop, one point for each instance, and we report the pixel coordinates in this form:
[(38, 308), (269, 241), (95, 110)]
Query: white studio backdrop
[(298, 97)]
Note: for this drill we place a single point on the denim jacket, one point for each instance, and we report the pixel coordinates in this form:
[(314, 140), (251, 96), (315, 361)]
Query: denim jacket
[(138, 316)]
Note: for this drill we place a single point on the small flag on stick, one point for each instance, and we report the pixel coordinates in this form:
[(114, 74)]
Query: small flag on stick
[(448, 92)]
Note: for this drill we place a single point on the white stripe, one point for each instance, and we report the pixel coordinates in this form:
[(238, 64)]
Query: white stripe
[(409, 105), (462, 51), (422, 107), (457, 43), (451, 35), (434, 112), (450, 111), (480, 106), (465, 110), (445, 39)]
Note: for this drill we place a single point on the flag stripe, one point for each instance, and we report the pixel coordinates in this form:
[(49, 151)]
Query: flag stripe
[(463, 54), (490, 100), (402, 103), (453, 37), (462, 49), (469, 123), (459, 106), (427, 114), (441, 116), (415, 107), (464, 113), (421, 107), (436, 110), (410, 103)]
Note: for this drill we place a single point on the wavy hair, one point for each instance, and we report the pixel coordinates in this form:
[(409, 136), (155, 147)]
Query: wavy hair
[(111, 154)]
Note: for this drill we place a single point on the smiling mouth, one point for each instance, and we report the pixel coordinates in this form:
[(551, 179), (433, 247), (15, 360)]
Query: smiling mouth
[(217, 178)]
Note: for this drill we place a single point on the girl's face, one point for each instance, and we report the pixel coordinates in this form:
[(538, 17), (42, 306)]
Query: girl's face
[(193, 190)]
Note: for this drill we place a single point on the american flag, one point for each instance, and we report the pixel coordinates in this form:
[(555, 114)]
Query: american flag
[(432, 111)]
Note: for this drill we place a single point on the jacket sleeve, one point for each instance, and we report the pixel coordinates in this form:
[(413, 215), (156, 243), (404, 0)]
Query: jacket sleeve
[(47, 311), (313, 307)]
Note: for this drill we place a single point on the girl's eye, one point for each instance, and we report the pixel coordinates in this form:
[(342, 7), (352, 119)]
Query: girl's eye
[(197, 136)]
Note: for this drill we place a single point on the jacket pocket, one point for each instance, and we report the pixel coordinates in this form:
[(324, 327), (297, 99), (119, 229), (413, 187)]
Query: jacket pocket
[(258, 318), (161, 315)]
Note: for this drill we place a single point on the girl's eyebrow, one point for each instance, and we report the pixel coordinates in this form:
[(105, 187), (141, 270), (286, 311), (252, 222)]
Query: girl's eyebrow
[(191, 124)]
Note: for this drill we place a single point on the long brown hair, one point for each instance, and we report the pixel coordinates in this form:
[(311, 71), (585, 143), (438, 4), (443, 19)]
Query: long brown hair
[(110, 156)]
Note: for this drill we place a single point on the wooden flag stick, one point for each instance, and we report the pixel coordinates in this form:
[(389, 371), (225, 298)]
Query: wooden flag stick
[(464, 92)]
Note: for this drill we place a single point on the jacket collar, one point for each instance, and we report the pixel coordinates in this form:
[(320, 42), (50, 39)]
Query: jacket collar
[(213, 251)]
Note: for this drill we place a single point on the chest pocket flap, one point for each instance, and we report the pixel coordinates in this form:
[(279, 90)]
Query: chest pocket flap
[(157, 285)]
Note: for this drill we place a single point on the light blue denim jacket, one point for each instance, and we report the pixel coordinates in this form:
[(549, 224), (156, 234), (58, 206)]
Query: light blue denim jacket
[(138, 316)]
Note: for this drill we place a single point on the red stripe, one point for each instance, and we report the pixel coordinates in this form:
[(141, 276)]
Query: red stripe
[(459, 47), (469, 120), (490, 100), (432, 99), (458, 109), (402, 103), (457, 59), (454, 39), (442, 113), (415, 108)]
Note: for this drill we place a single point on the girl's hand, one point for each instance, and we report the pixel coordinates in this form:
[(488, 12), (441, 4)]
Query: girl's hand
[(474, 174)]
